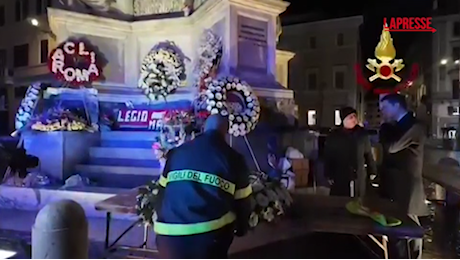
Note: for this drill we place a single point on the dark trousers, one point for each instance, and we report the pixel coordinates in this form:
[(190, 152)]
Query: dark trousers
[(343, 188), (406, 249), (211, 245)]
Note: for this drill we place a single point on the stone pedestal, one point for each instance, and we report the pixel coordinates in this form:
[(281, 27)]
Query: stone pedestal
[(248, 29), (60, 152)]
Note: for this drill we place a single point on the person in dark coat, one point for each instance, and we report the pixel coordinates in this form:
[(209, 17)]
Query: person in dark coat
[(402, 139), (347, 151)]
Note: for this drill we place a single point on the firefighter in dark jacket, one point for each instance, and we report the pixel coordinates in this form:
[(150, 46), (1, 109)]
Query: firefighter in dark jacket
[(205, 200), (347, 153)]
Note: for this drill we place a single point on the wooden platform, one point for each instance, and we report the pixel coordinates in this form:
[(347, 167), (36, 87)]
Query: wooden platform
[(315, 214), (328, 214)]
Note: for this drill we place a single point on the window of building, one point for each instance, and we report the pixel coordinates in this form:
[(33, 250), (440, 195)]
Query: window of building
[(456, 53), (442, 73), (43, 51), (455, 89), (2, 58), (340, 41), (311, 117), (25, 9), (456, 31), (452, 133), (42, 5), (17, 10), (2, 16), (312, 79), (3, 63), (21, 56), (312, 42), (39, 7), (3, 102), (21, 10), (453, 111), (338, 120), (339, 77)]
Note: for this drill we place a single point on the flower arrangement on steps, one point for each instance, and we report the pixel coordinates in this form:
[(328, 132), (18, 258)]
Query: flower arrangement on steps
[(59, 119)]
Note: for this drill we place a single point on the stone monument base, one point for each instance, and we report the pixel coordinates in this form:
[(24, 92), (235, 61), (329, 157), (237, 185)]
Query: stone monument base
[(60, 152)]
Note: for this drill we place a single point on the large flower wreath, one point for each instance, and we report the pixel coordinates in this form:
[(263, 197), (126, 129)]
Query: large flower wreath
[(28, 104), (162, 70), (243, 117)]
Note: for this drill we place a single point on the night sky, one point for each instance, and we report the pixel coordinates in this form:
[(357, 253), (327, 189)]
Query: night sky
[(374, 11)]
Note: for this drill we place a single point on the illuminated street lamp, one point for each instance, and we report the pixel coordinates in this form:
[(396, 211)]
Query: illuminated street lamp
[(34, 22), (443, 61), (457, 61)]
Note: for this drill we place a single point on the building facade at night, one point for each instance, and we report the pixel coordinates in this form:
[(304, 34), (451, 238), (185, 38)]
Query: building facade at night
[(322, 72), (124, 31), (446, 69), (23, 52)]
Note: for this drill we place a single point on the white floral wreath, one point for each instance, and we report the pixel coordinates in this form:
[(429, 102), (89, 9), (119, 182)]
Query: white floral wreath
[(28, 103), (162, 71), (240, 123)]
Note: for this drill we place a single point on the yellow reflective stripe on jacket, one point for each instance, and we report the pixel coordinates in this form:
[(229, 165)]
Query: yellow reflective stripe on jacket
[(243, 193), (162, 181), (193, 229), (202, 177)]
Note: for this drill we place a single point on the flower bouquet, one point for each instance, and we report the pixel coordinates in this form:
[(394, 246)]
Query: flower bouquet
[(58, 119), (172, 134), (209, 57), (269, 202), (270, 199), (146, 202)]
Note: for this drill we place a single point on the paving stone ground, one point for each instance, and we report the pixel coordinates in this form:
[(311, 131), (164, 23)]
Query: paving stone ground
[(15, 228)]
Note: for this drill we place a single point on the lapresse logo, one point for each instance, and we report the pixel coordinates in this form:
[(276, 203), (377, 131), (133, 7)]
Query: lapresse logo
[(408, 24)]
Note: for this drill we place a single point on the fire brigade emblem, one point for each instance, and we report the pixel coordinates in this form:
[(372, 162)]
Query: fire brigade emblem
[(385, 53)]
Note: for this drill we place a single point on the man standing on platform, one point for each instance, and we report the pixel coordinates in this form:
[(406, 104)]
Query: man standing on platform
[(347, 153), (205, 199), (403, 138)]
